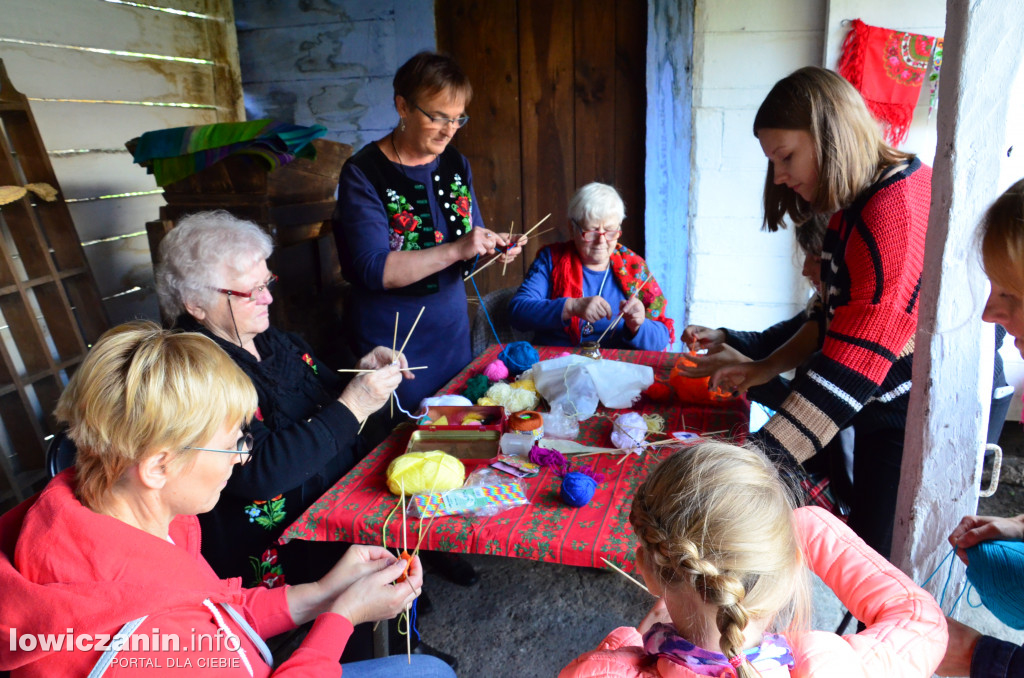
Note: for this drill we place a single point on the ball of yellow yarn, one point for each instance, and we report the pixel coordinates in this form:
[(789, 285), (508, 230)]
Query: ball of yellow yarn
[(525, 384), (425, 472), (486, 401), (514, 399)]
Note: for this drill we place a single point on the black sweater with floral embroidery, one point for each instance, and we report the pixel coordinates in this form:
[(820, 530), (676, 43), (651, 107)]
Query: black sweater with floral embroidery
[(304, 442)]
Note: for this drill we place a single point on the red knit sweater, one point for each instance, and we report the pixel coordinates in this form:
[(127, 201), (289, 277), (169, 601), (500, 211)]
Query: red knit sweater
[(872, 262)]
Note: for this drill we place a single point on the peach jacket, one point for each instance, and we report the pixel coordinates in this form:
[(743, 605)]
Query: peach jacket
[(905, 635)]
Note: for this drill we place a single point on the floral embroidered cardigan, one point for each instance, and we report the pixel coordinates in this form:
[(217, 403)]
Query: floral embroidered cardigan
[(304, 441), (384, 207)]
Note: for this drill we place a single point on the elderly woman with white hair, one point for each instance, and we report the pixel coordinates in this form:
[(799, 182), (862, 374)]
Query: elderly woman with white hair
[(111, 546), (574, 289), (213, 278)]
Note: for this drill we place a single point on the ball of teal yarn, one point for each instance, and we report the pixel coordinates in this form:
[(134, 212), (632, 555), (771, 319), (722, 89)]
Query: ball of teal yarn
[(996, 570), (577, 489), (476, 387), (519, 356)]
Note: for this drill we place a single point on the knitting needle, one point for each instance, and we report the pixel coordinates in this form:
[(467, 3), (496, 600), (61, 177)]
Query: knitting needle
[(535, 226), (622, 313), (414, 323), (394, 357), (511, 228), (623, 573), (364, 371), (519, 240), (497, 257)]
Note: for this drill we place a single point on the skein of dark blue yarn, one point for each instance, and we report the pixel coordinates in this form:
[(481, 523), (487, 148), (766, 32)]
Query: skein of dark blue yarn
[(577, 489), (519, 356), (996, 570)]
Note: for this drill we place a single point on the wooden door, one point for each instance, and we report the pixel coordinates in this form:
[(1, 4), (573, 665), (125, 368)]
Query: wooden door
[(559, 100)]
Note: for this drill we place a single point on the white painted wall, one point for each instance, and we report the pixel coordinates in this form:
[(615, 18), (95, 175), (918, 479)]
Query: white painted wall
[(741, 277)]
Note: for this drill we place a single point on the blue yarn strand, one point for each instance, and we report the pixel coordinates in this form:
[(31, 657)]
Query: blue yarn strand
[(412, 620), (484, 306)]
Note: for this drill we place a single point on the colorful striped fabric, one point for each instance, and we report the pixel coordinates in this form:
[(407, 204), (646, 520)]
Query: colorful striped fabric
[(172, 154)]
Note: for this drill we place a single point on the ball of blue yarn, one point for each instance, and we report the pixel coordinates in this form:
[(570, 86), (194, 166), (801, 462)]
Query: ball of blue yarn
[(519, 356), (996, 570), (577, 489)]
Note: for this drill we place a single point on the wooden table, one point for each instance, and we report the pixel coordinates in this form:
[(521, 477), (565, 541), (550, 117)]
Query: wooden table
[(355, 509)]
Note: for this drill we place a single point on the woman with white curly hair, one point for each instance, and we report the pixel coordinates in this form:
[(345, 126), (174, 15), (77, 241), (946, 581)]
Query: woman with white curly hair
[(576, 290), (213, 279)]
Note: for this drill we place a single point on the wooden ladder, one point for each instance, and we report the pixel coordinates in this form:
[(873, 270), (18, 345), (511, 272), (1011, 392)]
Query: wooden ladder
[(52, 310)]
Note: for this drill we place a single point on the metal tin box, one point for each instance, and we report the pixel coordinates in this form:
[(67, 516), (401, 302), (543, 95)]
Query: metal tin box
[(461, 444), (493, 418)]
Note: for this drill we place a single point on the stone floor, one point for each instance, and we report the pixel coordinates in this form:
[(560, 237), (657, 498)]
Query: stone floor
[(529, 619)]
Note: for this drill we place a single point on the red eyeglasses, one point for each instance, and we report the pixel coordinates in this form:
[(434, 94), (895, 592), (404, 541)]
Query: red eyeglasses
[(251, 294)]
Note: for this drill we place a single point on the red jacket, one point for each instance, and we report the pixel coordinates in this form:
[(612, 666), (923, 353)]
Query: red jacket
[(68, 571), (905, 635)]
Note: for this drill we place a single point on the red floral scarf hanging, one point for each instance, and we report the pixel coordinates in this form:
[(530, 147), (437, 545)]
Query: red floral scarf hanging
[(629, 269), (887, 67)]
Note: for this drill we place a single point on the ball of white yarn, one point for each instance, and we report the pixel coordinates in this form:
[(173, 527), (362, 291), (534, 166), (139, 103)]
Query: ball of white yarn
[(629, 432)]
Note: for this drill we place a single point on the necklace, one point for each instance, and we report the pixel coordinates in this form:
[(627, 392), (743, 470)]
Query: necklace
[(401, 165), (588, 328)]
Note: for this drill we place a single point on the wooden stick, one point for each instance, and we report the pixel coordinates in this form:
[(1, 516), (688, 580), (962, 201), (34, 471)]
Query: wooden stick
[(621, 313), (364, 371), (518, 241), (623, 573), (544, 232), (511, 228), (615, 452), (394, 357), (414, 323), (525, 235), (489, 262)]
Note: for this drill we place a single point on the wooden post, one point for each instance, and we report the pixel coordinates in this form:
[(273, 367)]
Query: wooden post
[(953, 358)]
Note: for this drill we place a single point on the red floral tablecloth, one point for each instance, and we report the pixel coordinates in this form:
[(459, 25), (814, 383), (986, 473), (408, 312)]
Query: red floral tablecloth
[(356, 507)]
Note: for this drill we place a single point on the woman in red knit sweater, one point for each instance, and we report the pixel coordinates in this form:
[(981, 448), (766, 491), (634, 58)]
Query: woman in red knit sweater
[(826, 155)]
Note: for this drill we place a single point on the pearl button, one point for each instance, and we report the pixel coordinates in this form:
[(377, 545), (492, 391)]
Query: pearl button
[(440, 192), (447, 205), (452, 218), (458, 231), (437, 177)]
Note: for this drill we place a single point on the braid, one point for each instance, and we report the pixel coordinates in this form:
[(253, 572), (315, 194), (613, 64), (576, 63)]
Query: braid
[(717, 519)]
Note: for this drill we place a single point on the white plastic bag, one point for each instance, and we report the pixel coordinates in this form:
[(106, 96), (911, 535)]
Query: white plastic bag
[(565, 381), (619, 384)]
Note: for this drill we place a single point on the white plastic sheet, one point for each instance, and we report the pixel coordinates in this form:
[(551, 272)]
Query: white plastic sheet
[(577, 384)]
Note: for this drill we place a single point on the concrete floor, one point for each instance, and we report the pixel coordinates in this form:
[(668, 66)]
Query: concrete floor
[(529, 619)]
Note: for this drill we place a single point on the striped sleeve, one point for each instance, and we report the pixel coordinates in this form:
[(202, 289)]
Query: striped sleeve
[(872, 327)]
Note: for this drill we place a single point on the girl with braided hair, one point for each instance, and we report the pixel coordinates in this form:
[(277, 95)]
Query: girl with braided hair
[(726, 553)]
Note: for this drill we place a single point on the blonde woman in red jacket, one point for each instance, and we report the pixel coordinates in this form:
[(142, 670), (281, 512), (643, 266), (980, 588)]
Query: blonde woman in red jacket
[(101, 574), (725, 552)]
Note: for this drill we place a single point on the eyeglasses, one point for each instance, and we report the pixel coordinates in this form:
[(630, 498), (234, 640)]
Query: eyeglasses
[(243, 448), (591, 236), (441, 121), (251, 294)]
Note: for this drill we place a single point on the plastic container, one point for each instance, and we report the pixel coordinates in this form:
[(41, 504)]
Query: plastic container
[(516, 444)]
